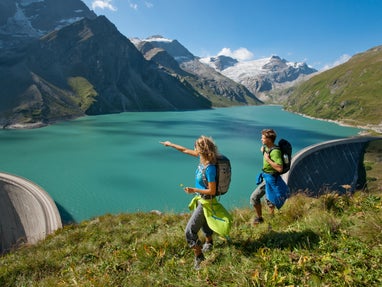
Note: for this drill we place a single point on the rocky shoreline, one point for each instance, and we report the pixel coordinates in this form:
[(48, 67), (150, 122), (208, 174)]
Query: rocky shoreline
[(366, 128), (25, 126)]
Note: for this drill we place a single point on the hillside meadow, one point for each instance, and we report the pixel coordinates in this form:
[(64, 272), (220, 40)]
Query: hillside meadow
[(327, 241), (349, 93)]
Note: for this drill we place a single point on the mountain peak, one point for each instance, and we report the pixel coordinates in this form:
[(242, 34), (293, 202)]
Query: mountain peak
[(220, 62), (158, 38), (173, 47), (25, 19), (261, 75), (275, 57)]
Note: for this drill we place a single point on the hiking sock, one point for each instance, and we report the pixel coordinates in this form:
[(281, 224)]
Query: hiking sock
[(207, 246), (198, 260)]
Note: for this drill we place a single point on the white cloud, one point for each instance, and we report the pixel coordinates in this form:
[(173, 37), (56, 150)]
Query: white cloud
[(241, 54), (103, 4), (343, 59), (133, 6), (149, 4)]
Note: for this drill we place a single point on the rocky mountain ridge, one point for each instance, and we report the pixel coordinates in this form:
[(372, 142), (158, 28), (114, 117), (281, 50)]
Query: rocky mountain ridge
[(74, 70), (176, 59), (260, 76), (24, 20), (60, 61)]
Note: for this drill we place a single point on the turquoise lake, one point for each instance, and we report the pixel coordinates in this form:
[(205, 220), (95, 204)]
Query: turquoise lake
[(114, 163)]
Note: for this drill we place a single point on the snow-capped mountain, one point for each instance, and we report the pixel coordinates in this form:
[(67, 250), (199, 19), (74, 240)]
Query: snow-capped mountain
[(258, 76), (220, 63), (22, 20), (175, 58), (173, 47), (262, 75), (58, 60)]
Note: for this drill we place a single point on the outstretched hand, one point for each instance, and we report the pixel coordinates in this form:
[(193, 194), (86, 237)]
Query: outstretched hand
[(166, 143), (189, 190), (180, 148)]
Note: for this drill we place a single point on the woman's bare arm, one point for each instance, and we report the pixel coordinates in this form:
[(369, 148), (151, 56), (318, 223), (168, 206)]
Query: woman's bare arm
[(181, 148), (210, 191)]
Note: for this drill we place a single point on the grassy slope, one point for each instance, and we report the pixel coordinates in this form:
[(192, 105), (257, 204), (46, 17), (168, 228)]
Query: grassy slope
[(351, 92), (329, 241)]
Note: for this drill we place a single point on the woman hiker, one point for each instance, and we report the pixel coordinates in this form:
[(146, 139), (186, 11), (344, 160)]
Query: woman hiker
[(205, 191)]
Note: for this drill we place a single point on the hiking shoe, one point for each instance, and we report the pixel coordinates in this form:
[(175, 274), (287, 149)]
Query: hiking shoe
[(258, 220), (198, 260), (207, 247)]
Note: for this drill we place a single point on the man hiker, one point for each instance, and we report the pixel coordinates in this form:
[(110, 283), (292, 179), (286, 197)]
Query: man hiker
[(270, 183)]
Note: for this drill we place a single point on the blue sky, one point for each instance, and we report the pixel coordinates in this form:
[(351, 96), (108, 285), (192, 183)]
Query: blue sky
[(321, 33)]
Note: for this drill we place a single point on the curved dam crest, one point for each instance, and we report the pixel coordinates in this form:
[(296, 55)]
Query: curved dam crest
[(332, 166), (27, 212)]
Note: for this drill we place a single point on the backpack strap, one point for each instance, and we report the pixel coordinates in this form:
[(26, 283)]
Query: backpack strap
[(205, 181), (271, 149), (269, 153)]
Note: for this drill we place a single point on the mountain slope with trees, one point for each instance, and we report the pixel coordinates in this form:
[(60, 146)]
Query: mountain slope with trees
[(350, 93)]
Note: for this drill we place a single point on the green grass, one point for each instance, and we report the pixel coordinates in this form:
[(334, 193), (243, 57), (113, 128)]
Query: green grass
[(84, 91), (328, 241)]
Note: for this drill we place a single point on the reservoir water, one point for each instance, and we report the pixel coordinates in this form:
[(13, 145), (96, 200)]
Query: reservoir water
[(114, 163)]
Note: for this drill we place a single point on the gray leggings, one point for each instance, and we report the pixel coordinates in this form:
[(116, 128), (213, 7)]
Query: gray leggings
[(257, 194), (195, 223)]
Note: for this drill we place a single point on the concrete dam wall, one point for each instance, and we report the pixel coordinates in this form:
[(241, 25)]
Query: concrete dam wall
[(27, 212), (333, 166)]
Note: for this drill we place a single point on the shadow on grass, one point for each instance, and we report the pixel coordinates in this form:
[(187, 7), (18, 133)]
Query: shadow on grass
[(279, 240)]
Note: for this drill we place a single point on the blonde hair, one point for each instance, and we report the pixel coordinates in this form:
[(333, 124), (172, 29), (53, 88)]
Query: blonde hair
[(207, 148)]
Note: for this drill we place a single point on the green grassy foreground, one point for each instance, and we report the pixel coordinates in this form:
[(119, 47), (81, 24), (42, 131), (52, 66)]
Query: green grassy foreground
[(328, 241)]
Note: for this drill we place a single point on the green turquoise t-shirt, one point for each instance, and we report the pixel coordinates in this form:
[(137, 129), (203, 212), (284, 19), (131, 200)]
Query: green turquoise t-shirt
[(275, 155)]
